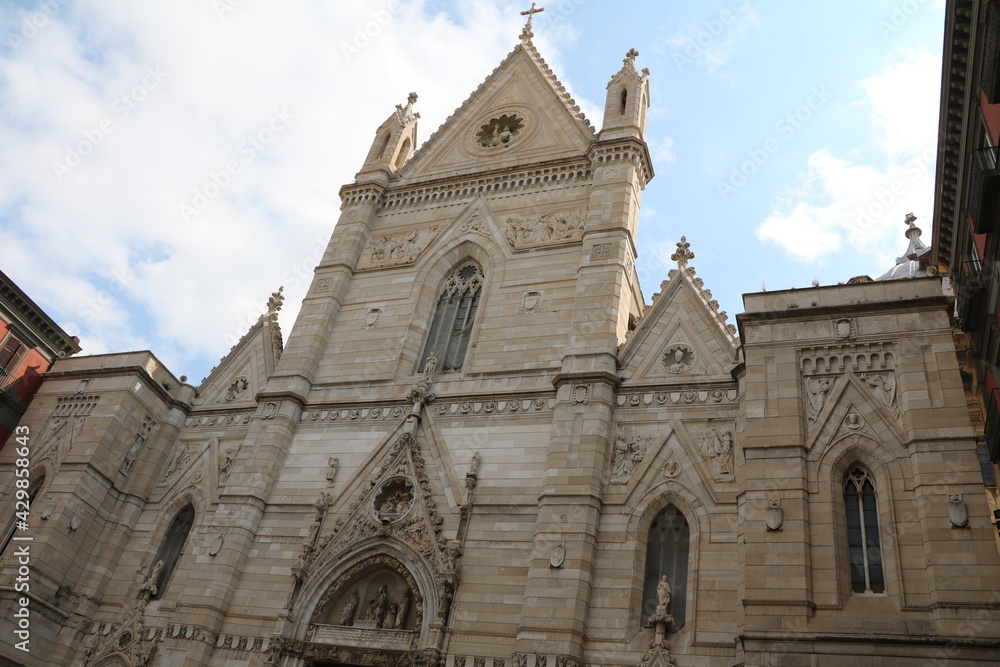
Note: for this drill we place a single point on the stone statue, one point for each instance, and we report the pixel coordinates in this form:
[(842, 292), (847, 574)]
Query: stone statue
[(148, 588), (377, 606), (331, 473), (402, 609), (662, 593), (227, 465), (350, 606)]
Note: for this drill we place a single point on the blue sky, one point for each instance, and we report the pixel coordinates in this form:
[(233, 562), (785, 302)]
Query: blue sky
[(789, 140)]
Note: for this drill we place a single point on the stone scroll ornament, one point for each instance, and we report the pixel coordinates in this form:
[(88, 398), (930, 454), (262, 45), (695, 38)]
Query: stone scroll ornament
[(547, 229)]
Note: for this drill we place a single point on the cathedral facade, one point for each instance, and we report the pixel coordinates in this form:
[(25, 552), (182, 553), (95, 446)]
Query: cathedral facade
[(480, 447)]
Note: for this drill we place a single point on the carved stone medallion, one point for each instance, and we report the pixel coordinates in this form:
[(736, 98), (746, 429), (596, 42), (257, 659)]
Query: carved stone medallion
[(500, 132), (677, 359)]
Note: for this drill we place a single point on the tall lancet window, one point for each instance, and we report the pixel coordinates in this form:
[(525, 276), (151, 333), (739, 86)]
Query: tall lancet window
[(667, 555), (863, 543), (170, 549), (454, 315)]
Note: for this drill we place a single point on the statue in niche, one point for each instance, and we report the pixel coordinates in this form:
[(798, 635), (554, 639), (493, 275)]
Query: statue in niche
[(331, 473), (816, 392), (378, 606), (662, 593), (350, 606), (402, 609), (226, 467)]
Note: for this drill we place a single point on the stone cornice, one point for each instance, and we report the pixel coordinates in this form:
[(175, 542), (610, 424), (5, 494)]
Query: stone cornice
[(629, 149), (28, 320)]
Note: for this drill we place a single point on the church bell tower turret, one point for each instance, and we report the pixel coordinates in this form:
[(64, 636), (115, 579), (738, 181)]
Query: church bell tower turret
[(627, 101), (394, 142)]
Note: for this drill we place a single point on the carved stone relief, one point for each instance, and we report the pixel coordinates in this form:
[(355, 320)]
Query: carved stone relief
[(474, 224), (530, 301), (500, 132), (177, 463), (393, 500), (823, 367), (376, 593), (226, 462), (396, 249), (846, 328), (548, 229), (773, 516), (602, 251), (372, 317), (581, 393), (715, 444), (678, 358), (958, 513), (629, 451), (238, 387)]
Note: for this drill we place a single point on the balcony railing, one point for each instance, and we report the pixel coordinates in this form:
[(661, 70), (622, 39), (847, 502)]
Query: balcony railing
[(8, 383), (984, 189)]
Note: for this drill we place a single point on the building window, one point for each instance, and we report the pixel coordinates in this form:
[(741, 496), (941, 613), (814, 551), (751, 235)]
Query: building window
[(863, 543), (170, 549), (8, 534), (12, 352), (454, 315), (667, 554)]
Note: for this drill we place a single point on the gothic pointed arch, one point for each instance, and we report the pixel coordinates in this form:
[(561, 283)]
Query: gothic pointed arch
[(673, 510), (435, 271)]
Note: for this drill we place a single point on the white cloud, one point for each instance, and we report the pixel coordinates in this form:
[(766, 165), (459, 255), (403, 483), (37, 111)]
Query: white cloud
[(715, 39), (858, 203), (105, 247)]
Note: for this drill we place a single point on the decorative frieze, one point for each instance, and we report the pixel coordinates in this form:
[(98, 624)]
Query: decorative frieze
[(391, 412), (823, 367), (548, 229), (227, 419), (677, 397)]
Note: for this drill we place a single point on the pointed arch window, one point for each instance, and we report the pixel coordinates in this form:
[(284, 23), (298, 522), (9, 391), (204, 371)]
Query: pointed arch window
[(454, 315), (667, 555), (170, 550), (863, 542)]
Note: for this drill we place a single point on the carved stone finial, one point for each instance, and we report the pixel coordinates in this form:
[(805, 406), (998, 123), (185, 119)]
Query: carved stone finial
[(526, 32), (412, 98), (630, 58), (277, 299), (683, 253), (909, 219)]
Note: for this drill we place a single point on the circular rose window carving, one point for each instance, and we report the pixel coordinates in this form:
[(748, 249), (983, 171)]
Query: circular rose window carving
[(677, 359), (500, 132)]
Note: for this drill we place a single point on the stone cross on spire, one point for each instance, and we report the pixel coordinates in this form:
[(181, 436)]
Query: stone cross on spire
[(630, 57), (526, 33), (683, 253)]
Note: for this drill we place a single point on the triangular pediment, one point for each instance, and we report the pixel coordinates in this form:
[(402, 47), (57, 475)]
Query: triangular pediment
[(680, 338), (234, 383), (521, 114), (851, 410), (396, 499)]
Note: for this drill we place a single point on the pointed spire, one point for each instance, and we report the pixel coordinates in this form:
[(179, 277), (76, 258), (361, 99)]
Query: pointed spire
[(683, 253), (406, 114), (526, 33)]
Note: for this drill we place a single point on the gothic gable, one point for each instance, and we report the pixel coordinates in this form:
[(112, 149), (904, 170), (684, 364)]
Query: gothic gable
[(681, 337), (852, 406), (244, 371), (519, 115)]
